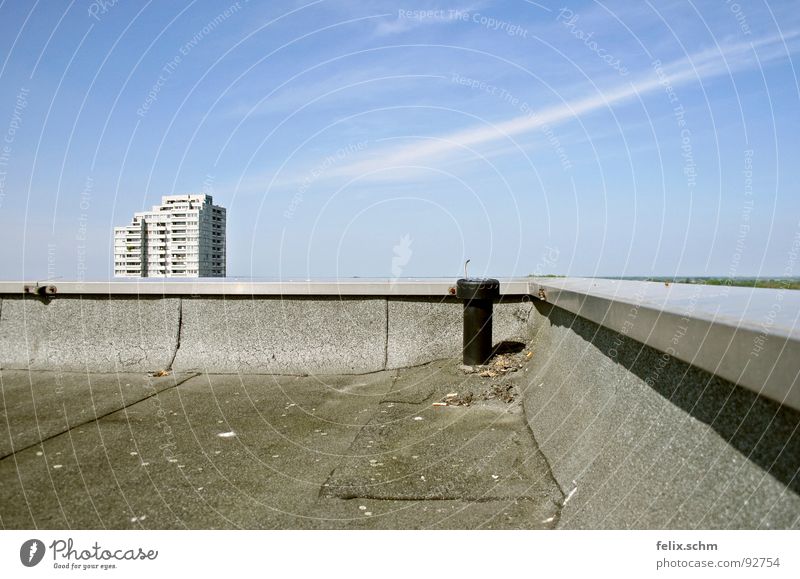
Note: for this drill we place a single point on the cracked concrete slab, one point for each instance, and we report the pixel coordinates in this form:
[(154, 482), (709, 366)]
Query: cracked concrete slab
[(37, 405), (88, 334), (253, 451), (282, 335), (470, 453), (366, 514), (218, 451), (421, 331), (417, 451)]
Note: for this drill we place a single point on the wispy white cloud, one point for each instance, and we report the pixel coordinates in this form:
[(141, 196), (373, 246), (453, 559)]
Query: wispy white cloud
[(718, 61), (350, 87)]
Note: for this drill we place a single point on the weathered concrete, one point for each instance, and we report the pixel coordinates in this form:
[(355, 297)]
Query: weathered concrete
[(285, 336), (421, 331), (356, 514), (163, 458), (257, 334), (37, 405), (750, 336), (89, 334), (328, 335), (412, 450), (230, 451), (650, 442)]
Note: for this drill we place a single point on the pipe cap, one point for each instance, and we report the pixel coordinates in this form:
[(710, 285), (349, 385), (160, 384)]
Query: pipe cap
[(480, 288)]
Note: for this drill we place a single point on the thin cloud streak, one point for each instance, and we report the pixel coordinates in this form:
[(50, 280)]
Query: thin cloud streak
[(705, 64)]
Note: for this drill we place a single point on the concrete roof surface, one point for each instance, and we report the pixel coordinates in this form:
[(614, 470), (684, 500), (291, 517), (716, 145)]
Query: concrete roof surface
[(257, 451)]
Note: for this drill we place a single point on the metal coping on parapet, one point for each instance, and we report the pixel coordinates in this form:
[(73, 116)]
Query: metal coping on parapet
[(339, 288), (748, 336)]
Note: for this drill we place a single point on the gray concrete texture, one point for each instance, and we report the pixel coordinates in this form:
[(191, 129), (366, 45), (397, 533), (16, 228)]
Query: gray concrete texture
[(614, 434), (88, 334), (750, 336), (413, 450), (38, 405), (282, 335), (265, 334), (421, 331), (257, 451), (638, 439)]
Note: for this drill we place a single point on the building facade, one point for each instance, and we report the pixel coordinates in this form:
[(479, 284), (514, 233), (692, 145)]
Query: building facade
[(182, 237)]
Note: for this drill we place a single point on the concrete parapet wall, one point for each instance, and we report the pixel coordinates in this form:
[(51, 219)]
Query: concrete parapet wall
[(750, 336), (423, 331), (251, 334), (282, 335), (93, 334), (639, 439)]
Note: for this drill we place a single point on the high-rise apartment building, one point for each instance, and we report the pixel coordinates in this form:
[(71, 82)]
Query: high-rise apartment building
[(182, 237)]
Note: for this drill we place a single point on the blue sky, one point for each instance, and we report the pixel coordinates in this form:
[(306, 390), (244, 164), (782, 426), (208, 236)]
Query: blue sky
[(399, 139)]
